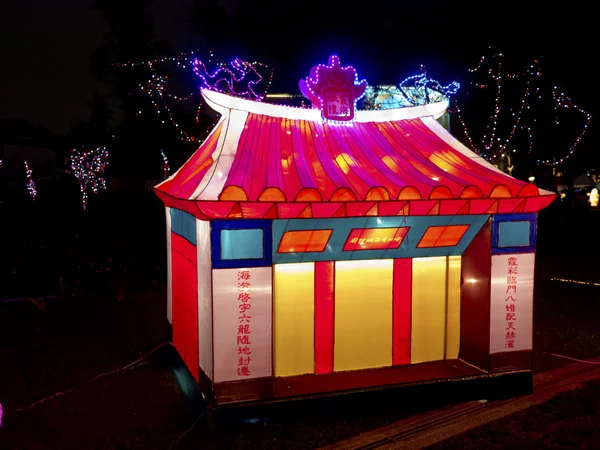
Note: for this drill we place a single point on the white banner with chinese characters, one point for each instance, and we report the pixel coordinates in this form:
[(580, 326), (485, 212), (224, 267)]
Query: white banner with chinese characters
[(242, 310), (511, 315)]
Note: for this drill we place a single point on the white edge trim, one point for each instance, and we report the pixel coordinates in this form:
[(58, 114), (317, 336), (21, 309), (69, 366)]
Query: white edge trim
[(223, 103)]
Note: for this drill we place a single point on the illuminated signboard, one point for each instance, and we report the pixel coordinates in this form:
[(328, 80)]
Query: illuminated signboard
[(375, 238)]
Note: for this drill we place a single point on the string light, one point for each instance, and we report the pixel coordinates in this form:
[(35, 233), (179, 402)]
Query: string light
[(30, 183), (588, 283), (88, 166), (497, 140), (156, 86), (241, 73), (166, 167), (414, 90)]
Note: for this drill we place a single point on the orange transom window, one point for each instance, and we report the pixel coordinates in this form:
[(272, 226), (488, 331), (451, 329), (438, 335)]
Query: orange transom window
[(375, 238), (442, 236), (302, 241)]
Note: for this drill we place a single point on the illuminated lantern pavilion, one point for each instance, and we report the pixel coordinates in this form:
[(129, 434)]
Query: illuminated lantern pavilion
[(328, 249)]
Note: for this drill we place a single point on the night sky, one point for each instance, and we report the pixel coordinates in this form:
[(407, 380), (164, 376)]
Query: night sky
[(46, 46)]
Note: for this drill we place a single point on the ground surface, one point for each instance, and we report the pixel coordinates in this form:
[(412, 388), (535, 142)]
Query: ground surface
[(116, 317)]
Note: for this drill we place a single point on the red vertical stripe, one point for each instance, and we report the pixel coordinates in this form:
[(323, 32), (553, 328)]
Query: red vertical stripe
[(185, 301), (402, 297), (324, 315)]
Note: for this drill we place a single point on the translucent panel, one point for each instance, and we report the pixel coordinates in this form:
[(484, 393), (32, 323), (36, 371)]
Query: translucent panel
[(304, 241), (442, 236), (514, 234), (363, 314), (242, 244), (293, 319)]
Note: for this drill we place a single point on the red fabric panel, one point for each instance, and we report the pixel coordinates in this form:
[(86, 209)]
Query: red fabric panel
[(475, 300), (435, 149), (185, 301), (324, 315), (188, 178), (322, 180), (327, 209), (402, 300)]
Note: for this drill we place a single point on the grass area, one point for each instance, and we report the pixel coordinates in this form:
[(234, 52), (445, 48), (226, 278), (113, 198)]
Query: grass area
[(55, 350), (569, 421)]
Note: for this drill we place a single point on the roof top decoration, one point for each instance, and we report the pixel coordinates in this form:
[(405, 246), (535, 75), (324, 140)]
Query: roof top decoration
[(238, 81), (268, 161), (333, 89)]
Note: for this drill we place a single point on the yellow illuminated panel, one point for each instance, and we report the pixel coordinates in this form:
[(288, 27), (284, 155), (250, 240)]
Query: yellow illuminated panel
[(428, 330), (293, 319), (442, 236), (453, 308), (363, 314), (304, 241), (375, 238)]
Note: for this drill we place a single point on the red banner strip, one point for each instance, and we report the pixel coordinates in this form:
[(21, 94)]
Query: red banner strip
[(185, 301), (324, 316), (401, 323)]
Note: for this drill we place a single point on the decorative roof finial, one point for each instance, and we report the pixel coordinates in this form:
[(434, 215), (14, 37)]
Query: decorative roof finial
[(333, 89)]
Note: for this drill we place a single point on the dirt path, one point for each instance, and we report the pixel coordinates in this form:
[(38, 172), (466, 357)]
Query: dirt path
[(425, 429)]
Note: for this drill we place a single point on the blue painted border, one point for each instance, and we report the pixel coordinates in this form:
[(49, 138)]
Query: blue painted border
[(215, 241), (524, 217), (183, 224), (342, 226)]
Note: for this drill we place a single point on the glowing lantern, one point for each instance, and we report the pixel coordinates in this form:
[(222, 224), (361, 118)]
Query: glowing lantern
[(594, 197)]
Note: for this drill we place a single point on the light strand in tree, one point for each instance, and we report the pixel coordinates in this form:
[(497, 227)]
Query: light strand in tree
[(562, 101), (88, 166), (165, 167), (522, 118), (30, 183), (156, 88)]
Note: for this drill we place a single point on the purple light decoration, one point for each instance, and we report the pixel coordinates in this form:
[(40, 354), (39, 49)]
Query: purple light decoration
[(30, 183), (333, 89), (88, 167), (241, 73)]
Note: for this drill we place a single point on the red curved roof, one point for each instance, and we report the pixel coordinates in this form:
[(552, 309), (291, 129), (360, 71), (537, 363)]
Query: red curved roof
[(272, 161)]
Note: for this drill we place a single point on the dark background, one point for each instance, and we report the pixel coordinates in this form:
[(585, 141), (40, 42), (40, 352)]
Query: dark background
[(57, 55)]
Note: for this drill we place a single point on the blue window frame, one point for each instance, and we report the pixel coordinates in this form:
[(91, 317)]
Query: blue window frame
[(513, 233), (241, 243)]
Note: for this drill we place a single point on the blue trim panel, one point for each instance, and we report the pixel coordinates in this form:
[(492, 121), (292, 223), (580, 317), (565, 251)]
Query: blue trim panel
[(342, 226), (184, 225), (501, 218), (215, 241)]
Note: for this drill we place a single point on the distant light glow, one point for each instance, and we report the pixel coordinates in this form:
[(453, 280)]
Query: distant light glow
[(30, 183), (88, 167), (594, 198)]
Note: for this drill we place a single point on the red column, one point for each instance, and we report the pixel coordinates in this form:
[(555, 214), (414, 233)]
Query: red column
[(401, 311), (185, 301), (324, 316)]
